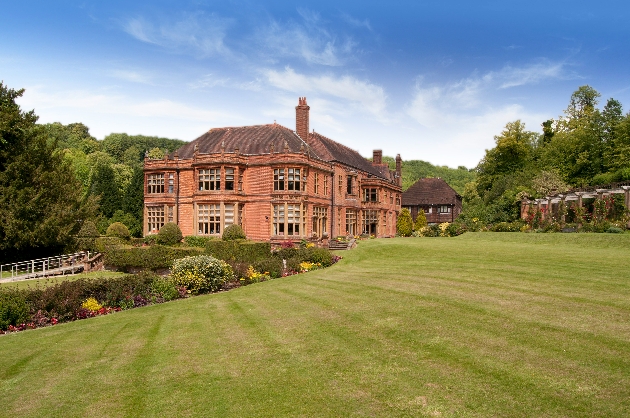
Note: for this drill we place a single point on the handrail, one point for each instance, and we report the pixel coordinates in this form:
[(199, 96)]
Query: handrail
[(43, 265)]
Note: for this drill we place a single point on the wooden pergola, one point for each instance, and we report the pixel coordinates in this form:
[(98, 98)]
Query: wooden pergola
[(545, 204)]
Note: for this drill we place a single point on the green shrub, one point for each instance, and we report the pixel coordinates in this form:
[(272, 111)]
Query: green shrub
[(421, 221), (196, 241), (507, 226), (200, 274), (86, 237), (271, 265), (404, 224), (150, 239), (614, 230), (13, 308), (245, 251), (164, 289), (118, 230), (104, 244), (150, 258), (233, 232), (169, 234)]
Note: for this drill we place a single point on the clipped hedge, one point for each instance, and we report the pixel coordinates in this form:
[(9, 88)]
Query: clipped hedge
[(149, 258), (197, 241), (244, 251)]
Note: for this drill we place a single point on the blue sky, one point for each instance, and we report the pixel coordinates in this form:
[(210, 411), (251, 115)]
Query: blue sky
[(431, 80)]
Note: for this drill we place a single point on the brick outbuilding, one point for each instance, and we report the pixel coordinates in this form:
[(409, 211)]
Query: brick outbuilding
[(276, 183), (435, 197)]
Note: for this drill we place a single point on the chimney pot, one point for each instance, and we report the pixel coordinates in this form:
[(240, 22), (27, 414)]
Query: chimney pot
[(302, 118), (377, 157)]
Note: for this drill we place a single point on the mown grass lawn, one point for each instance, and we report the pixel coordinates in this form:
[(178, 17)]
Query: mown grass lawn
[(479, 325)]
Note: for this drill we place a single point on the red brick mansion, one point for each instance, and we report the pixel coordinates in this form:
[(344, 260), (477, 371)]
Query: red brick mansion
[(276, 183)]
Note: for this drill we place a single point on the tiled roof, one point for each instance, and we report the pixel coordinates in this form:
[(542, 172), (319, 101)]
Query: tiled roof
[(330, 150), (429, 191), (258, 139), (250, 140)]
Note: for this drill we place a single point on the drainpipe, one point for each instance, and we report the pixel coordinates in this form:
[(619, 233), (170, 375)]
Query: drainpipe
[(332, 215), (177, 199)]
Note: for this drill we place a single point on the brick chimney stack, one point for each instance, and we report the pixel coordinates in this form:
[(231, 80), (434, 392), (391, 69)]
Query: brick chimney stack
[(301, 118), (377, 157), (399, 169)]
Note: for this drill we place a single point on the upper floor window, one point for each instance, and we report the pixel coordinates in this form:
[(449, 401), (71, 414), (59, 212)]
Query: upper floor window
[(278, 179), (171, 183), (292, 180), (229, 179), (210, 179), (325, 185), (155, 183), (445, 209), (316, 183), (370, 195), (349, 185)]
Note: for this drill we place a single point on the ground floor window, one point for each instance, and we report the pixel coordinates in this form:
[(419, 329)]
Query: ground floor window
[(320, 217), (287, 220), (370, 222), (351, 222), (155, 218), (209, 219)]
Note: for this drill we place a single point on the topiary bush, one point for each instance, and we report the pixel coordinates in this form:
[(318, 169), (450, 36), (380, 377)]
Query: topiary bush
[(233, 232), (201, 274), (169, 234), (118, 230), (86, 237), (404, 223)]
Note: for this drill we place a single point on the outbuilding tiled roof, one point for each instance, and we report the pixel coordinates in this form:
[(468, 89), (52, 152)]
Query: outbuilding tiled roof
[(250, 140), (429, 191)]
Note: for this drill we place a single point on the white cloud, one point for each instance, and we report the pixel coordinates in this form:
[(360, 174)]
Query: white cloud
[(369, 97), (458, 122), (510, 76), (106, 112), (365, 23), (132, 76), (197, 33), (309, 40)]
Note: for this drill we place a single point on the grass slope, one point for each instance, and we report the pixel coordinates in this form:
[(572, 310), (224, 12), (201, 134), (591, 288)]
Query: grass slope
[(478, 325)]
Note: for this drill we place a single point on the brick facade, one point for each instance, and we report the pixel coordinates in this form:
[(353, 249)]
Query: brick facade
[(276, 183)]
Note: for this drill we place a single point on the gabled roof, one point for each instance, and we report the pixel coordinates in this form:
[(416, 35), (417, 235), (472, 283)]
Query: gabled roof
[(250, 140), (330, 150), (429, 191), (258, 139)]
